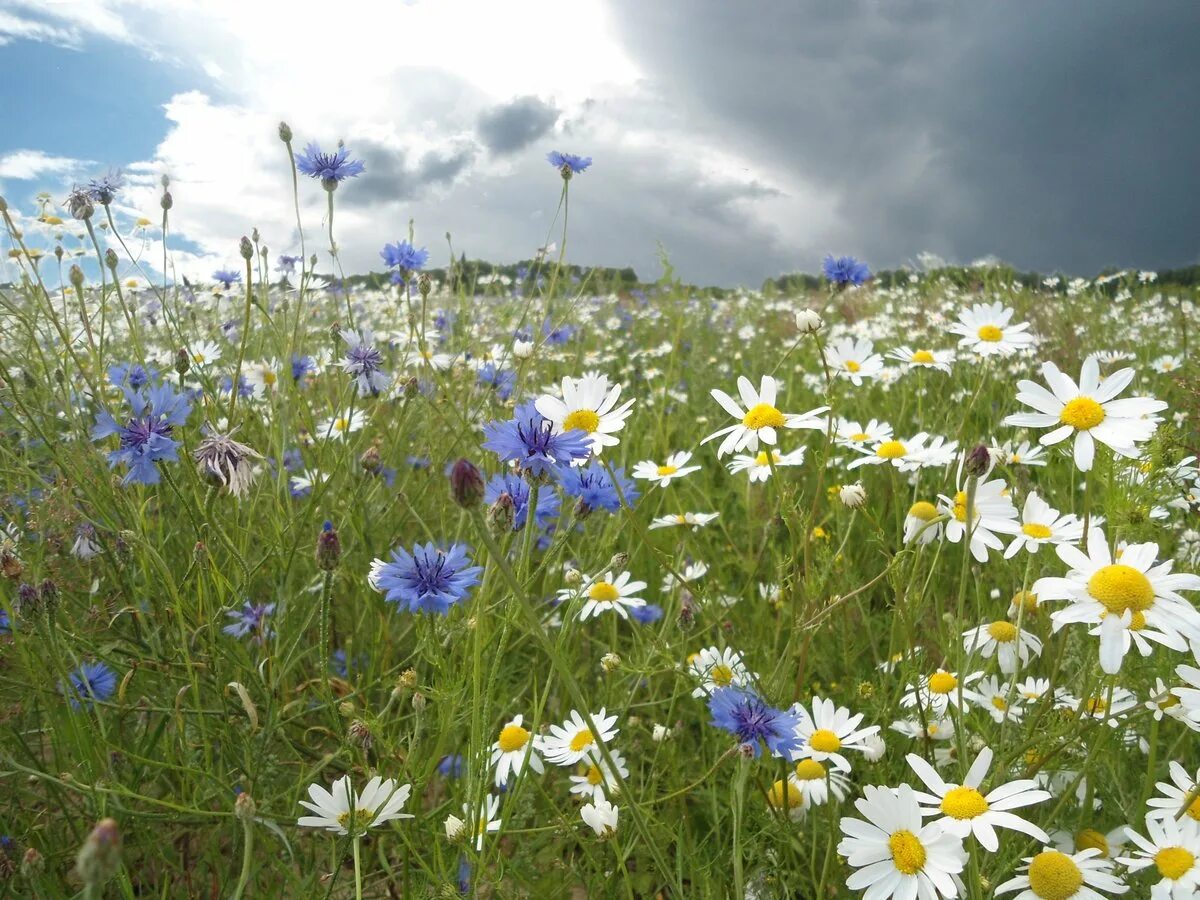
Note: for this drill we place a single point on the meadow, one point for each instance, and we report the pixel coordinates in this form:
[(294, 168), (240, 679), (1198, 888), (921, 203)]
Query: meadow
[(553, 585)]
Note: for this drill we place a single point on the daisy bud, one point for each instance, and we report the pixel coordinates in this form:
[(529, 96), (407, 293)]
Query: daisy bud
[(573, 577), (853, 496), (244, 807), (455, 827), (808, 321), (33, 864), (522, 349), (58, 252), (76, 277), (285, 133), (609, 662), (619, 561), (747, 751), (100, 856), (874, 747), (254, 235), (466, 484), (501, 514), (978, 462), (660, 733), (329, 548), (110, 259), (687, 610)]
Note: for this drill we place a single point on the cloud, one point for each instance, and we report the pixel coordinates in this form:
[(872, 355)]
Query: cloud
[(27, 165), (513, 126)]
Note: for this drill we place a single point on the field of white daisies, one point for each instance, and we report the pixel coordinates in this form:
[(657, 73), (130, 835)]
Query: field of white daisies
[(436, 583)]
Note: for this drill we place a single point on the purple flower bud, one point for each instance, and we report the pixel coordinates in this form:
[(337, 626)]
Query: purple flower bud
[(466, 484)]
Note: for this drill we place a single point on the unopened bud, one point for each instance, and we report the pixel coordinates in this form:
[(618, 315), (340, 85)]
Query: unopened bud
[(978, 461), (619, 561), (285, 133), (853, 496), (418, 702), (100, 856), (573, 577), (166, 201), (501, 514), (75, 274), (110, 259), (610, 662), (808, 321), (359, 734), (329, 548), (466, 484), (245, 248), (370, 460), (244, 807), (183, 361), (424, 284)]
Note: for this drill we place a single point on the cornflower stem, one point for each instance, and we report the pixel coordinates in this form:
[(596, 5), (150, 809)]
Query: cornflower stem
[(103, 285), (333, 252), (562, 251), (237, 374), (739, 800), (964, 571), (247, 858), (358, 867), (326, 610)]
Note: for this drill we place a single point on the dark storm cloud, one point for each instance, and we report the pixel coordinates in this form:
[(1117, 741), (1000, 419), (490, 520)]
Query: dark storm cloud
[(391, 174), (1054, 135), (515, 125)]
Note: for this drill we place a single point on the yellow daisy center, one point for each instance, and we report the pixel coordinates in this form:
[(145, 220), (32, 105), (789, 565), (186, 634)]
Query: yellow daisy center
[(1004, 632), (1082, 413), (1000, 703), (860, 437), (825, 741), (269, 377), (990, 333), (908, 853), (582, 740), (810, 770), (667, 470), (1137, 621), (942, 683), (852, 366), (923, 510), (356, 820), (603, 592), (1174, 862), (1027, 599), (785, 793), (1091, 839), (1120, 588), (891, 450), (594, 776), (581, 419), (960, 506), (1036, 531), (1193, 811), (922, 356), (512, 737), (1096, 706), (721, 674), (1054, 876), (763, 416), (341, 424), (964, 803)]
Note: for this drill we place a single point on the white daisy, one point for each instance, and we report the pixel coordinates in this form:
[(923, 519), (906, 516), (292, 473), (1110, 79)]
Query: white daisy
[(343, 811), (936, 693), (606, 593), (1043, 524), (693, 520), (829, 730), (1173, 848), (854, 359), (908, 454), (850, 434), (597, 780), (760, 419), (336, 427), (985, 329), (1088, 410), (204, 353), (894, 854), (601, 816), (759, 465), (1023, 454), (515, 748), (814, 780), (994, 696), (1189, 696), (570, 742), (1002, 640), (717, 669), (1054, 875), (676, 466), (1177, 797), (965, 810), (588, 404), (993, 514), (923, 359), (920, 523)]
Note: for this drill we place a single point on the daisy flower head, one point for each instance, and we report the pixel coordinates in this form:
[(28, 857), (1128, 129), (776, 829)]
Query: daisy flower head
[(428, 579), (895, 855), (529, 439), (588, 404), (936, 693), (1004, 641), (941, 360), (345, 812), (852, 434), (918, 452), (719, 669), (760, 419), (1022, 454), (329, 168), (573, 740), (606, 593), (745, 715), (784, 794), (828, 731), (1054, 875), (985, 328), (1173, 849), (1187, 696), (920, 523), (695, 521), (602, 816), (964, 809), (515, 748), (1175, 798), (994, 697), (598, 779), (337, 426), (1122, 597), (854, 359), (993, 514), (1088, 410), (676, 466), (758, 467), (1043, 524), (484, 819), (815, 780)]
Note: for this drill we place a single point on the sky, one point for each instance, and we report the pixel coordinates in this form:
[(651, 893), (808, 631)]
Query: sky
[(744, 139)]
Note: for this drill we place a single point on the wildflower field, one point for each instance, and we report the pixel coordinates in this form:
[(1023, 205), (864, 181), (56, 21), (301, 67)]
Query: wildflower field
[(442, 582)]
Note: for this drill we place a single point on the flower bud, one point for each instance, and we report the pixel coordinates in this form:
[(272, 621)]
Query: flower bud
[(619, 561), (166, 201), (75, 275), (853, 496), (244, 807), (610, 662), (183, 361), (522, 349), (466, 484), (424, 284), (501, 514), (978, 462), (359, 734), (285, 133), (110, 259), (33, 863), (808, 321), (100, 856), (245, 248), (418, 702), (455, 827), (370, 460), (329, 548)]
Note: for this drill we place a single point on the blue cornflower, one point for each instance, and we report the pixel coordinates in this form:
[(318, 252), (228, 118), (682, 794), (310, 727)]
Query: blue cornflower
[(595, 489), (747, 717), (646, 615), (286, 264), (518, 488), (557, 334), (503, 380), (426, 580), (845, 270), (132, 374), (528, 440), (146, 436), (251, 620), (227, 277), (245, 388), (104, 189), (302, 365), (450, 766), (344, 665), (404, 256), (330, 168), (89, 684), (568, 161), (365, 363), (5, 622)]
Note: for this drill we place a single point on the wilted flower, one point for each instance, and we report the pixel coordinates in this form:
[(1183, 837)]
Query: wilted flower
[(226, 462)]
